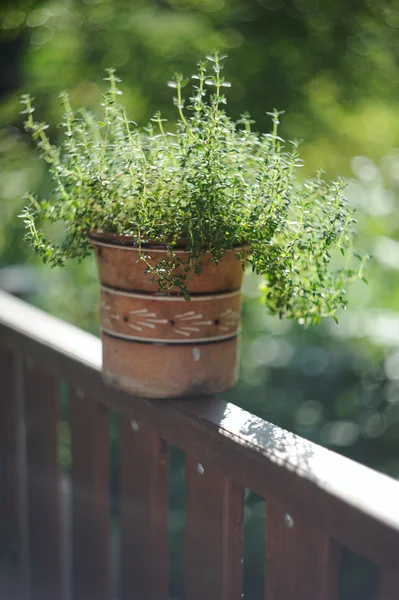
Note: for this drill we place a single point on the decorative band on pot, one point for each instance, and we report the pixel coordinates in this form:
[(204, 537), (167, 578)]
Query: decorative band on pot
[(170, 319)]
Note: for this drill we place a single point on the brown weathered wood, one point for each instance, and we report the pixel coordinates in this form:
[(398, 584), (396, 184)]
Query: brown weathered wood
[(301, 562), (41, 413), (144, 504), (90, 498), (354, 504), (389, 585), (214, 534), (12, 522), (9, 444)]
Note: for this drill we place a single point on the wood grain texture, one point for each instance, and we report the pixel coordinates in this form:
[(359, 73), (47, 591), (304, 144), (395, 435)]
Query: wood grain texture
[(214, 534), (389, 584), (41, 413), (90, 498), (302, 563), (144, 513), (354, 504)]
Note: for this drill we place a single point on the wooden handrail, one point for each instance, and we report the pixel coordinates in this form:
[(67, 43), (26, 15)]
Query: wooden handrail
[(317, 488)]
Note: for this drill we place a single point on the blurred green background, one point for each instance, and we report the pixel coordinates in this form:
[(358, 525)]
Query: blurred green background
[(332, 65)]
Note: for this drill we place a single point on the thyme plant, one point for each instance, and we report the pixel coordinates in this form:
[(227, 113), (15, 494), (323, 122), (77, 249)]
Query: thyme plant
[(210, 184)]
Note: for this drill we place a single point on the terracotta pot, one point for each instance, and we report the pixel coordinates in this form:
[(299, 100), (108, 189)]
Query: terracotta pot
[(159, 345)]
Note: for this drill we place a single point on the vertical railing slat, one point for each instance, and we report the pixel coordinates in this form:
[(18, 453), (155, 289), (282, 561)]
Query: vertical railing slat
[(41, 413), (144, 514), (12, 525), (90, 498), (9, 447), (301, 562), (389, 585), (214, 534)]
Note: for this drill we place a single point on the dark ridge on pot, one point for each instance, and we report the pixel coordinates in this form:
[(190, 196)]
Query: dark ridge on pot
[(166, 343), (171, 294)]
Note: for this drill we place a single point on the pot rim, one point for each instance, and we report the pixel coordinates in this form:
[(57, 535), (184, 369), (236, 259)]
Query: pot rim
[(127, 242)]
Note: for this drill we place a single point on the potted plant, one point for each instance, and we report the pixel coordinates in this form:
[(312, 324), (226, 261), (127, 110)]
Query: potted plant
[(174, 216)]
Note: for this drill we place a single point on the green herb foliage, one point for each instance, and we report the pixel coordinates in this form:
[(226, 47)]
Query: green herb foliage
[(214, 183)]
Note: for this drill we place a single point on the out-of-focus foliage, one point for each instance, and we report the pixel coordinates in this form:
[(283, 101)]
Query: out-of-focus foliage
[(333, 66)]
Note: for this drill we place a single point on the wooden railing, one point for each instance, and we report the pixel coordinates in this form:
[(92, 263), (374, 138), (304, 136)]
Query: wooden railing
[(316, 501)]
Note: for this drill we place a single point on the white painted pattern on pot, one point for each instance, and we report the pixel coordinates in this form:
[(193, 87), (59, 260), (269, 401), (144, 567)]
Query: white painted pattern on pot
[(189, 322), (143, 318), (228, 319), (104, 309)]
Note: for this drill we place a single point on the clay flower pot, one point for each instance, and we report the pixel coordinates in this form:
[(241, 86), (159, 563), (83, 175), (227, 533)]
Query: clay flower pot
[(159, 345)]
